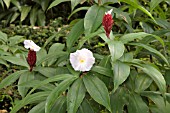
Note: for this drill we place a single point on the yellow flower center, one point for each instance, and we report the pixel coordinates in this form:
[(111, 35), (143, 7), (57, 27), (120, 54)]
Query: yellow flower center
[(81, 60)]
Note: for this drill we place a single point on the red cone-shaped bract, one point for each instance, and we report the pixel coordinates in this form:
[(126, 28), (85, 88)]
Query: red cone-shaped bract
[(31, 59), (107, 23)]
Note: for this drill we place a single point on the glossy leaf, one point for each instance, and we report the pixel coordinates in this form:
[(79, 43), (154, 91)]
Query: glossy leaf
[(121, 73), (7, 3), (56, 2), (33, 15), (93, 19), (11, 78), (3, 37), (30, 99), (137, 105), (102, 70), (75, 33), (151, 50), (74, 3), (75, 96), (39, 108), (97, 90), (24, 78), (142, 82), (118, 100), (24, 12), (56, 92), (41, 18), (14, 17), (116, 49), (85, 107), (59, 106), (77, 10), (15, 40), (154, 3)]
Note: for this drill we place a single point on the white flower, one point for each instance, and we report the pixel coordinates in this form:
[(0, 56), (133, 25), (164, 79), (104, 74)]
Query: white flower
[(109, 12), (30, 44), (82, 60)]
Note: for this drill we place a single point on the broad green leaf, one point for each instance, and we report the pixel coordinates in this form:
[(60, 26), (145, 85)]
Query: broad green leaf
[(146, 27), (167, 77), (24, 78), (154, 3), (74, 3), (56, 92), (155, 75), (158, 101), (41, 18), (116, 49), (44, 4), (121, 73), (118, 100), (85, 107), (48, 57), (75, 33), (135, 4), (151, 50), (163, 23), (39, 108), (142, 82), (77, 10), (55, 47), (127, 57), (97, 90), (24, 12), (132, 36), (75, 96), (60, 105), (51, 79), (17, 4), (3, 37), (93, 19), (15, 40), (16, 60), (33, 15), (105, 1), (7, 3), (14, 17), (46, 71), (40, 55), (136, 104), (102, 70), (30, 99), (56, 2), (3, 62), (11, 78)]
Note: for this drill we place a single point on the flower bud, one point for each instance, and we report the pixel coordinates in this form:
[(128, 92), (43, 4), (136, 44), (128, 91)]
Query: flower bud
[(31, 59), (108, 22)]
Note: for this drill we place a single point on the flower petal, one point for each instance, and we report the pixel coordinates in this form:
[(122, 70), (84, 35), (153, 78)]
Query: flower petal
[(30, 44)]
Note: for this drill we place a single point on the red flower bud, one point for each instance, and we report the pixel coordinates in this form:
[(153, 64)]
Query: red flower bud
[(108, 22), (31, 59)]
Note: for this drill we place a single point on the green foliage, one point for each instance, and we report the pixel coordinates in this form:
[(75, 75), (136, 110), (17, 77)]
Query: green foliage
[(131, 70)]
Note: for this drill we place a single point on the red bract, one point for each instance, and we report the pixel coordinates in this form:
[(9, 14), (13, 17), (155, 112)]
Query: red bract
[(31, 59), (108, 22)]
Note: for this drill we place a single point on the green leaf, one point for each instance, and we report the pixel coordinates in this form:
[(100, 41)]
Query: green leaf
[(121, 73), (127, 57), (33, 15), (75, 96), (74, 3), (158, 100), (15, 40), (39, 108), (85, 107), (93, 19), (24, 78), (3, 37), (16, 60), (97, 90), (77, 10), (30, 99), (116, 49), (14, 17), (41, 18), (154, 3), (75, 33), (151, 50), (11, 78), (136, 104), (118, 100), (7, 3), (24, 12), (60, 105), (102, 70), (46, 71), (142, 82), (155, 75), (56, 2), (56, 92), (167, 77), (44, 4)]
